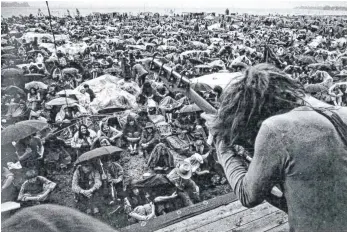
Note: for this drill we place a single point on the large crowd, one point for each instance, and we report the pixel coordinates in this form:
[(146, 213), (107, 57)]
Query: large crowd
[(88, 80)]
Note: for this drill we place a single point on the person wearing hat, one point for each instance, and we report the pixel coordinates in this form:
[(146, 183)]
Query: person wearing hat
[(186, 188), (86, 182), (35, 189), (149, 139)]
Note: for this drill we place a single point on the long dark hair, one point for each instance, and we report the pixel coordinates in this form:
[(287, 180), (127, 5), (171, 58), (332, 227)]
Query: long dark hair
[(262, 92), (80, 135)]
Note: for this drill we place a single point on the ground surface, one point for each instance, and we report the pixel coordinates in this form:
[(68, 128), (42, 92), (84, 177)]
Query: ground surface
[(134, 167)]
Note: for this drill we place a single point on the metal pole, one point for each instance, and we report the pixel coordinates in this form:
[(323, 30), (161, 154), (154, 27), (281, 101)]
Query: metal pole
[(50, 23)]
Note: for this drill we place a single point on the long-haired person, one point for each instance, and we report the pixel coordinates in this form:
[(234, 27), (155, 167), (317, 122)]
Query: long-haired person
[(298, 147)]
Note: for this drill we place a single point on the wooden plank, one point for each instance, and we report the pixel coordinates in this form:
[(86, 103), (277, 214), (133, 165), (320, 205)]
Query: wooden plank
[(181, 214), (265, 223), (281, 228), (239, 219), (205, 218)]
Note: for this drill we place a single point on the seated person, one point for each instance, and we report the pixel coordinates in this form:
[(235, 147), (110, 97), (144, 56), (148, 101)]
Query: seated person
[(83, 139), (34, 99), (86, 181), (132, 134), (149, 139), (8, 189), (161, 159), (17, 112), (35, 189), (68, 113), (111, 133), (187, 190), (29, 151), (114, 177)]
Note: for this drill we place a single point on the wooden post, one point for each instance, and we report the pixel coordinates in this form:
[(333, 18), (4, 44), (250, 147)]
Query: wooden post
[(50, 23)]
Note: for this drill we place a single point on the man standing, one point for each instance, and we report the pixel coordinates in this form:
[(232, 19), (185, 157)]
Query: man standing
[(299, 148), (90, 92)]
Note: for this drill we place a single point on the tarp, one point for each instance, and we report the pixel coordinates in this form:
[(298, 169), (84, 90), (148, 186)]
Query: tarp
[(29, 36)]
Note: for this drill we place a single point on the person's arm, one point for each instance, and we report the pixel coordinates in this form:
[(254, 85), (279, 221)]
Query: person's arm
[(137, 216), (97, 181), (28, 98), (74, 143), (75, 187), (252, 187), (21, 196), (165, 198), (8, 181)]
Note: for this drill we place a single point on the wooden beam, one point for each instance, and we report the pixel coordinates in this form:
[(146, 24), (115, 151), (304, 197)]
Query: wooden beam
[(265, 223), (205, 218), (239, 219), (281, 228), (181, 214)]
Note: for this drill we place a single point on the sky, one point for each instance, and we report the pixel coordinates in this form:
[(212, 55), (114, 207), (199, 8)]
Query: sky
[(254, 4)]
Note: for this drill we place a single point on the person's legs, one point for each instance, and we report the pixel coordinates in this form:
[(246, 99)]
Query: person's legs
[(185, 198)]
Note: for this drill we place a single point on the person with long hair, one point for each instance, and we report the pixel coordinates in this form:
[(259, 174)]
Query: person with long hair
[(33, 99), (83, 139), (132, 134), (297, 147)]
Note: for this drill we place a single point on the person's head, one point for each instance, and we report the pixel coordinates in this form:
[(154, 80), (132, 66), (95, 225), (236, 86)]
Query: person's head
[(22, 104), (131, 121), (87, 167), (83, 130), (136, 191), (31, 176), (262, 92), (83, 91), (105, 128), (86, 86), (33, 91)]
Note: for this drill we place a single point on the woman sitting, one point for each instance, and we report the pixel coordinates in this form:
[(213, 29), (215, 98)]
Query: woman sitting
[(111, 133), (34, 99), (83, 139), (132, 134), (161, 159), (17, 112)]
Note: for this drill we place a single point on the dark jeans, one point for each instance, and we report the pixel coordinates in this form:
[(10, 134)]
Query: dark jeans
[(188, 198)]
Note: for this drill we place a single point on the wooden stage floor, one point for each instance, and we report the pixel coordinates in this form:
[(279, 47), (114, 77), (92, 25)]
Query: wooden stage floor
[(234, 217)]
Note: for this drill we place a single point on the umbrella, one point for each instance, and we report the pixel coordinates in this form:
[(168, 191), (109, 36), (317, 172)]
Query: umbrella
[(61, 101), (98, 152), (201, 87), (68, 92), (8, 48), (36, 85), (12, 72), (8, 56), (190, 108), (34, 75), (21, 130), (14, 90)]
